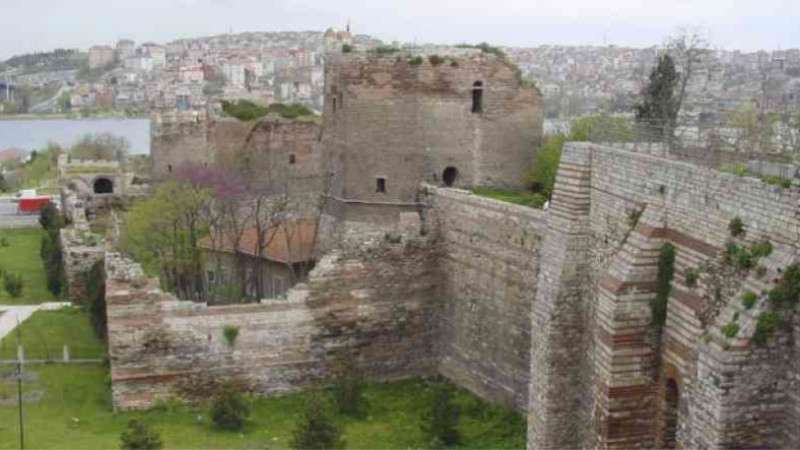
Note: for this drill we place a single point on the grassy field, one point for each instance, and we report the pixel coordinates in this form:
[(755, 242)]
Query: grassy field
[(519, 197), (73, 410), (45, 333), (21, 256)]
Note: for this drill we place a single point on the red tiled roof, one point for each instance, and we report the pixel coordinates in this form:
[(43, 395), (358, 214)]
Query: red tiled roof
[(11, 153), (296, 245)]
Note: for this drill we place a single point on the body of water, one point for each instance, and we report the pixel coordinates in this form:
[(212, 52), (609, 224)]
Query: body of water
[(31, 134)]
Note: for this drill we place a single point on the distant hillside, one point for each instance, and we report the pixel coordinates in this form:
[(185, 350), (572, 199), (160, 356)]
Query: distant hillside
[(58, 59)]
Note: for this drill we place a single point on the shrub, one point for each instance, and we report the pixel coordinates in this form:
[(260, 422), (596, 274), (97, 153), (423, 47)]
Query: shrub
[(436, 60), (231, 333), (731, 330), (385, 50), (4, 242), (666, 271), (52, 258), (13, 284), (50, 218), (749, 299), (765, 325), (454, 63), (690, 276), (417, 61), (96, 292), (761, 249), (542, 176), (785, 183), (139, 436), (774, 297), (736, 169), (246, 110), (761, 271), (441, 418), (738, 257), (230, 410), (347, 48), (789, 285), (736, 227), (315, 428), (348, 389), (787, 292), (633, 217)]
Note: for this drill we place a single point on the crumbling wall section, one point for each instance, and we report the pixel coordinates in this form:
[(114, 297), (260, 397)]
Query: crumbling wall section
[(80, 250)]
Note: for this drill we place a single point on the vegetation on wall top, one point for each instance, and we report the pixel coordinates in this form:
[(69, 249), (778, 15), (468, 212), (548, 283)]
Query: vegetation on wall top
[(246, 110)]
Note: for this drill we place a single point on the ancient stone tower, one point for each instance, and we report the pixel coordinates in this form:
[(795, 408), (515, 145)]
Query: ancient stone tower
[(394, 119)]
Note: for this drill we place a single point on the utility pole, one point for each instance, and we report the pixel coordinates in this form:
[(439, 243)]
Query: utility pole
[(19, 402), (19, 387)]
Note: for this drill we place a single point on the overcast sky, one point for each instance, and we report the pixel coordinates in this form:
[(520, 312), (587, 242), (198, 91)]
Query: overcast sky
[(36, 25)]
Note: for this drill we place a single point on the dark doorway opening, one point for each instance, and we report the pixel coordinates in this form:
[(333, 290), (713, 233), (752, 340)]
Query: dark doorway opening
[(477, 97), (449, 176), (103, 186), (672, 397), (381, 186)]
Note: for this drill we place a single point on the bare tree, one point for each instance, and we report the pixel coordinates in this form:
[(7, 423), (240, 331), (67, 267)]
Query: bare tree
[(688, 47)]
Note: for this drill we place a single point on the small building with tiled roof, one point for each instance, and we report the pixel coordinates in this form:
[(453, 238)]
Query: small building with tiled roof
[(270, 266)]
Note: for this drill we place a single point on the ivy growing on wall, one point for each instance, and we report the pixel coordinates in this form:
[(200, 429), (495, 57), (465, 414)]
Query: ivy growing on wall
[(666, 270)]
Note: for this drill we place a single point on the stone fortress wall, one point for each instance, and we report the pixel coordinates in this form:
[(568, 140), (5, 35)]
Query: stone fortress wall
[(392, 122), (548, 312), (499, 297), (609, 368)]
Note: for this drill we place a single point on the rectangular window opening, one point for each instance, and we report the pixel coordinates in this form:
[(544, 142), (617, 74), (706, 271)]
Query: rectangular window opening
[(381, 186)]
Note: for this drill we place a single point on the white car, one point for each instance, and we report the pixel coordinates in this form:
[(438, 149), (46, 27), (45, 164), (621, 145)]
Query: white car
[(25, 193)]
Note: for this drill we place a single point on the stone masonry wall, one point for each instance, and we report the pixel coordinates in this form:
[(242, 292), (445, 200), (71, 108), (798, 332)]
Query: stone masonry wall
[(377, 302), (631, 359), (406, 123), (80, 250), (489, 264)]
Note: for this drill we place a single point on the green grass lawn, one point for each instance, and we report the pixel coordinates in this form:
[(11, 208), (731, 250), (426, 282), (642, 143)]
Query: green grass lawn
[(74, 412), (524, 198), (21, 256), (45, 333)]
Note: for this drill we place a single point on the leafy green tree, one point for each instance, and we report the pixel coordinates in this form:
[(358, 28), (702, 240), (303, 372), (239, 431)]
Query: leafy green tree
[(139, 436), (658, 111), (164, 233), (440, 420), (596, 128), (230, 409), (315, 428)]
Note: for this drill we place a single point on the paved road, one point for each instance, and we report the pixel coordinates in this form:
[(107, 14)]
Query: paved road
[(10, 219), (11, 315), (50, 104)]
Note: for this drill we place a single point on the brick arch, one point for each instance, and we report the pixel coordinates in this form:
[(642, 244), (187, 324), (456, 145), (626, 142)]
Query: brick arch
[(103, 185)]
